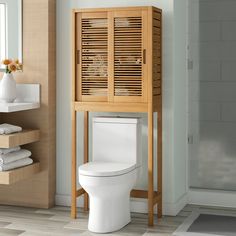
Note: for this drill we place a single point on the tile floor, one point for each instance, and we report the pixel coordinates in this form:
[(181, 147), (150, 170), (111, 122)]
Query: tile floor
[(21, 221)]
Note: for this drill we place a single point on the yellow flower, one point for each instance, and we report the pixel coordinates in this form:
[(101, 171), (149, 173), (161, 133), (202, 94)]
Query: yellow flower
[(17, 61), (6, 62), (19, 66), (12, 67)]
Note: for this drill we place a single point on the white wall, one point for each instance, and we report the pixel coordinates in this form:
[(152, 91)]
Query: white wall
[(173, 156), (180, 97)]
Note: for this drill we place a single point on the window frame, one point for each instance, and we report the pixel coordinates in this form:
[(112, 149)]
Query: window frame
[(3, 29)]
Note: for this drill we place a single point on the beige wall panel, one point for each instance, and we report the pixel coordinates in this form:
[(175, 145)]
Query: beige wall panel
[(39, 67)]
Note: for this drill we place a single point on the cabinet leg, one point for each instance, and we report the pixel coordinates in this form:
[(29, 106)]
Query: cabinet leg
[(73, 209), (86, 130), (73, 169), (150, 167), (159, 161), (159, 213), (86, 202)]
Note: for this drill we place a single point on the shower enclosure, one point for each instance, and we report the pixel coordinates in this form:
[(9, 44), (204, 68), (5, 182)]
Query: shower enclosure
[(212, 94)]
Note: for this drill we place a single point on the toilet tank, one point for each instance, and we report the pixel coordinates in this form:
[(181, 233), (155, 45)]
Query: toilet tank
[(117, 140)]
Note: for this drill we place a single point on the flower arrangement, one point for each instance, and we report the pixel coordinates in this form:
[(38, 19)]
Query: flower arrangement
[(12, 65)]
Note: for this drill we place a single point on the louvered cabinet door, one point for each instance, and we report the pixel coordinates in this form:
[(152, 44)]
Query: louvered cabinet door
[(129, 68), (92, 57)]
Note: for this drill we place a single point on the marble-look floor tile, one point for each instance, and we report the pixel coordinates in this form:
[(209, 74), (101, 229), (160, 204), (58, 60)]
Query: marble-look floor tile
[(87, 233), (67, 217), (34, 221), (60, 231), (156, 234), (165, 222), (57, 222), (185, 213), (17, 208), (162, 229), (31, 233), (10, 232), (36, 225), (24, 215), (3, 224), (81, 224), (61, 214), (176, 219)]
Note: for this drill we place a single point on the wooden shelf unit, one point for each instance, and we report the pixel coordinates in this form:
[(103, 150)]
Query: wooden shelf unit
[(13, 140), (117, 67), (20, 138), (25, 93)]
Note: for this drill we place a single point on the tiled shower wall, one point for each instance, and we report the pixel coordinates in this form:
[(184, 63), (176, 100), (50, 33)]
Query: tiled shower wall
[(212, 94)]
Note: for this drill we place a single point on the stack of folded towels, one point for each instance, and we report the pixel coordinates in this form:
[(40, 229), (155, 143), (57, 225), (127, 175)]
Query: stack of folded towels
[(11, 158), (9, 129)]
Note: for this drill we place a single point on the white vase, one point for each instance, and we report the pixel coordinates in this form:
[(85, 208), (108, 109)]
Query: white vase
[(7, 88)]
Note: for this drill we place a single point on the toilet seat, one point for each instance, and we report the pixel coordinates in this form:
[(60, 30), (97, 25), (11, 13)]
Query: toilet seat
[(105, 169)]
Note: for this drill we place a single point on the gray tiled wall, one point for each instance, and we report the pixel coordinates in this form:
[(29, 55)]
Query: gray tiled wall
[(212, 96)]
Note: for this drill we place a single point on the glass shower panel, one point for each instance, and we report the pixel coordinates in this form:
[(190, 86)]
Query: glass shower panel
[(212, 94)]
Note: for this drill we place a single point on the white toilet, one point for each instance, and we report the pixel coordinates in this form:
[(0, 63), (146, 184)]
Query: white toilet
[(111, 175)]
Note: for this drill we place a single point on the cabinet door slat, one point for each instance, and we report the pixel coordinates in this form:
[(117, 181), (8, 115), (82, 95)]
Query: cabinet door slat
[(94, 49), (128, 56)]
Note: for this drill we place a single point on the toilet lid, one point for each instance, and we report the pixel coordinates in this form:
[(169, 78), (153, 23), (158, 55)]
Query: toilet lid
[(105, 168)]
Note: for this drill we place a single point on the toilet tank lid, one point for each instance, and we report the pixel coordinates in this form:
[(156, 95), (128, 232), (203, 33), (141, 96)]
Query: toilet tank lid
[(105, 169), (121, 120)]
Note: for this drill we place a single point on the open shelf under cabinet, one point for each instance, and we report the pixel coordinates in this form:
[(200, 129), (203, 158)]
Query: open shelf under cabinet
[(20, 138), (15, 175), (16, 139)]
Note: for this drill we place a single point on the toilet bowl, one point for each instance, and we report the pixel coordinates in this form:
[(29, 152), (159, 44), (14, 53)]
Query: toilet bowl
[(112, 173), (108, 186)]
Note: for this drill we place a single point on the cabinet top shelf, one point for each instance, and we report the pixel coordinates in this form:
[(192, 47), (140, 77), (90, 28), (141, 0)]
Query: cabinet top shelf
[(116, 9)]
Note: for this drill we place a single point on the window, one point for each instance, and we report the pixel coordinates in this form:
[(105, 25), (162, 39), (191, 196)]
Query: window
[(2, 31)]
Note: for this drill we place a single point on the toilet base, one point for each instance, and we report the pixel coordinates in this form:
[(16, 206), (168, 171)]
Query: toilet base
[(109, 199), (108, 215)]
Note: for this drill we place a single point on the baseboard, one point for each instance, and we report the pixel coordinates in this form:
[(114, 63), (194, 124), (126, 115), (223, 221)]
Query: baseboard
[(194, 196), (65, 200), (172, 209), (140, 206), (212, 198), (137, 205)]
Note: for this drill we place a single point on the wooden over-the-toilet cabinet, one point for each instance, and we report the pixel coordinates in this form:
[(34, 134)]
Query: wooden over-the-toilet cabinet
[(112, 48), (116, 67)]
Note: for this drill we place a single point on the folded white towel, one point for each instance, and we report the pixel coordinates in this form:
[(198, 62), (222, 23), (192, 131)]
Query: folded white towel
[(8, 150), (8, 129), (16, 164), (14, 156)]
